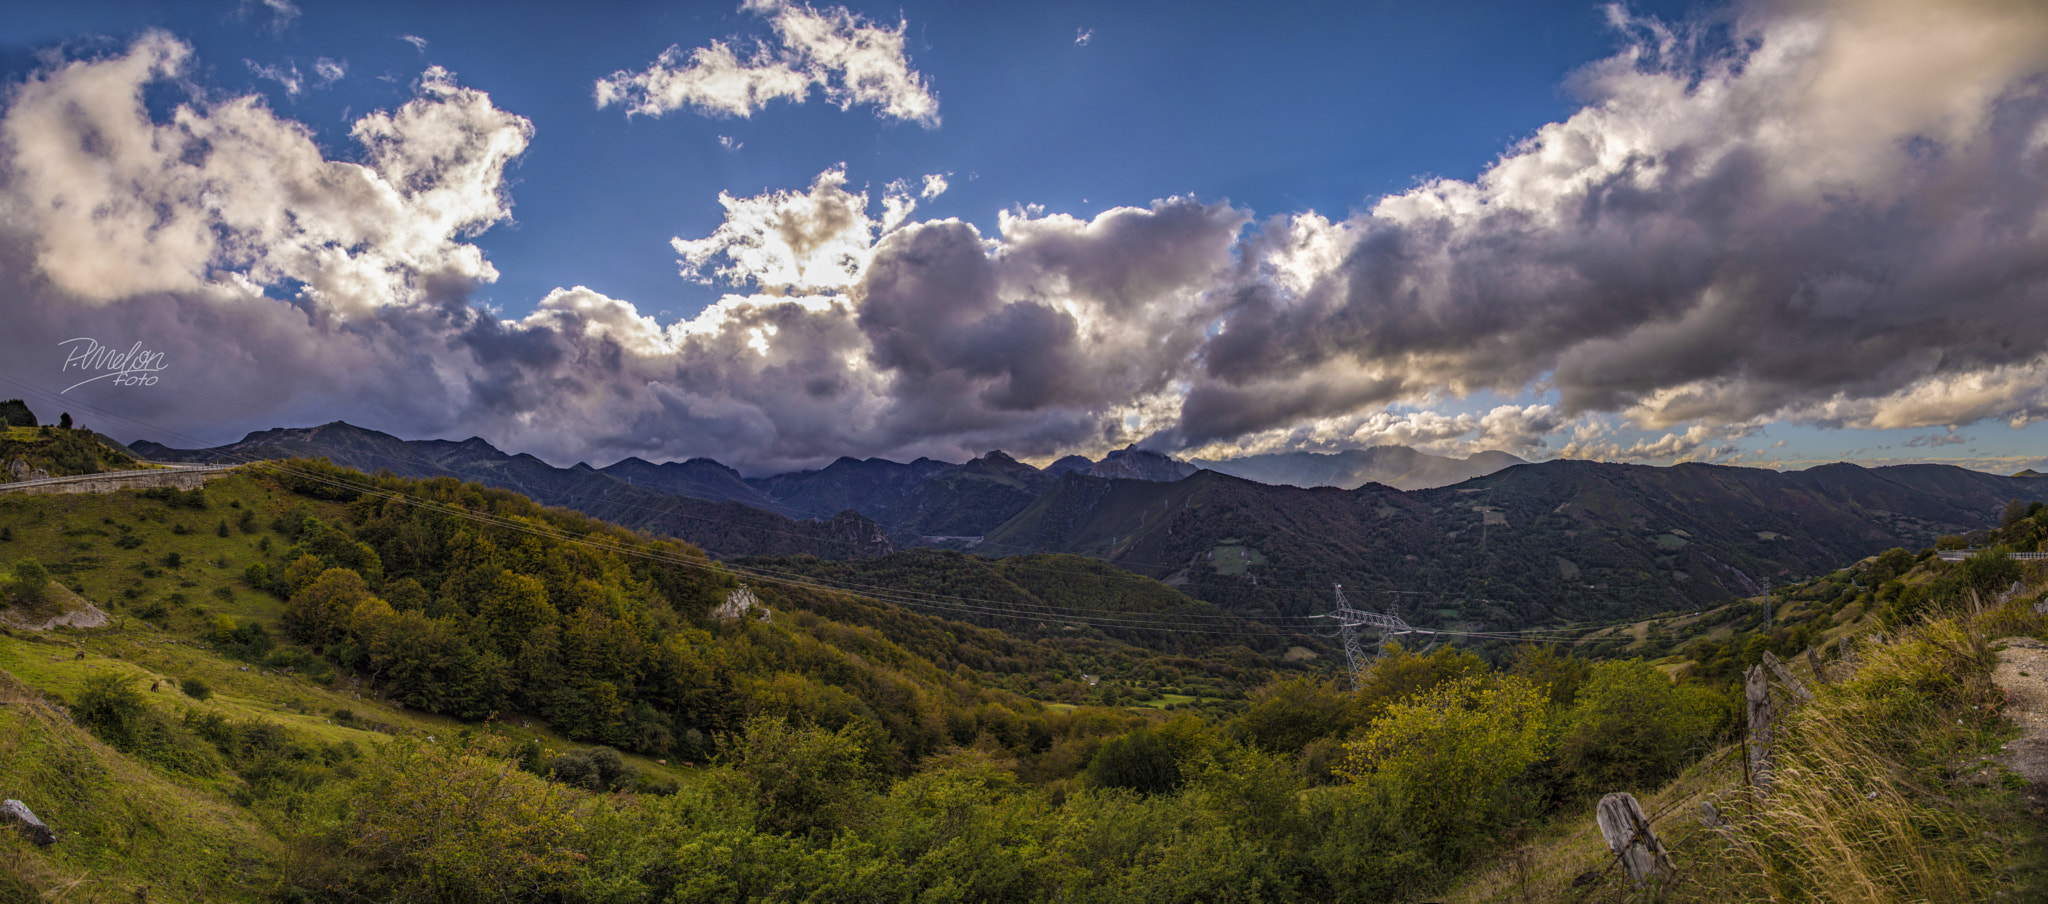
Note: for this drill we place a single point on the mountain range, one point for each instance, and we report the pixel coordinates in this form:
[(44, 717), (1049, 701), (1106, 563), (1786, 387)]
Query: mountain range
[(1520, 545), (1396, 466)]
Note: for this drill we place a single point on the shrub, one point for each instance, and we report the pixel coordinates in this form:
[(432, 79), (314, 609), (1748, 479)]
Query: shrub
[(195, 688), (426, 824), (109, 706), (31, 583), (594, 769), (1633, 727), (1457, 753)]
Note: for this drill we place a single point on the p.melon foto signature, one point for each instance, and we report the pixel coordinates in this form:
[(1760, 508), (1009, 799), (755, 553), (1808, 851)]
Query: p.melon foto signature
[(135, 367)]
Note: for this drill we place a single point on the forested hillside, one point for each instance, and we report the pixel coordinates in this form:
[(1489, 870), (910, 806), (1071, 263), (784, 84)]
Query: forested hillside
[(1528, 545), (321, 686)]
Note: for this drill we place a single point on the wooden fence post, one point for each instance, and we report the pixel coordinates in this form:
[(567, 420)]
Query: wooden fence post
[(1630, 836), (1756, 688), (1784, 674)]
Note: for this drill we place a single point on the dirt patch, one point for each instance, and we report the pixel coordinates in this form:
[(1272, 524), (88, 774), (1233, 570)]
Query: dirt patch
[(2023, 674)]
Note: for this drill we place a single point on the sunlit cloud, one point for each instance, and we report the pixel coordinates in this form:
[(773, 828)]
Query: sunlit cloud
[(849, 59)]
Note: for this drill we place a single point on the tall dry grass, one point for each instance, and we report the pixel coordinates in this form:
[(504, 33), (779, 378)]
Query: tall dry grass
[(1865, 808)]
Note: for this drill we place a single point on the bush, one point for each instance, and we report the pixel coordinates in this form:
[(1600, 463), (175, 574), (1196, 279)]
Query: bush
[(1458, 754), (1633, 727), (195, 688), (595, 769), (110, 707), (31, 584), (428, 824)]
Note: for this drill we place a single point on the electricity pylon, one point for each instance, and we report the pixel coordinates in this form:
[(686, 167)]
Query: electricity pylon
[(1350, 620)]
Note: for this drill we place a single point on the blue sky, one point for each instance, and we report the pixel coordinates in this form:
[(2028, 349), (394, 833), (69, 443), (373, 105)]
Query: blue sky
[(1549, 228)]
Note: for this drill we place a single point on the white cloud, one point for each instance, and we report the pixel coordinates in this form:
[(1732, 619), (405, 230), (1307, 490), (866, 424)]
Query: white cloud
[(851, 60), (1818, 225), (1796, 232), (228, 188), (418, 43), (325, 72), (1518, 429), (787, 242), (1082, 36), (286, 76)]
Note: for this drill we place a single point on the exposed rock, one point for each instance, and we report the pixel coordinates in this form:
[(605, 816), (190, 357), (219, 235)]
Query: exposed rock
[(16, 812), (18, 470), (77, 613)]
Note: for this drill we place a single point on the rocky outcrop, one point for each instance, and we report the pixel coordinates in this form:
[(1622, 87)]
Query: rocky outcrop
[(18, 470), (25, 820)]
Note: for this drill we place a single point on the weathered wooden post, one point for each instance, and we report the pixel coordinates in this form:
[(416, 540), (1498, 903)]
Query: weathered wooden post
[(1784, 674), (1820, 673), (1629, 836), (1756, 688)]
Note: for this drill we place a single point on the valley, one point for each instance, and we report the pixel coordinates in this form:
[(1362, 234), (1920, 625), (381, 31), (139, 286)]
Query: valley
[(295, 663)]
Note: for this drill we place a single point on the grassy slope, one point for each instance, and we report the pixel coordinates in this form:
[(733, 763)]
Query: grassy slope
[(124, 826), (1916, 726)]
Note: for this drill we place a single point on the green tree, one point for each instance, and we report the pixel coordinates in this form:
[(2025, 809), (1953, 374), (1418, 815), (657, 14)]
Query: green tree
[(1989, 572), (1559, 674), (1401, 674), (425, 823), (31, 582), (319, 614), (802, 778), (1633, 727), (1152, 760), (1457, 752), (1285, 715), (15, 413)]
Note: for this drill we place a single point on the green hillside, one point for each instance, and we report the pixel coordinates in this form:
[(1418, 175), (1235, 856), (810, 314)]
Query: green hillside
[(1543, 544), (321, 686)]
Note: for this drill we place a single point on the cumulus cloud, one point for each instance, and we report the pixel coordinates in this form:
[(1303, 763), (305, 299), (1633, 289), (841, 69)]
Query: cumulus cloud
[(1596, 438), (851, 60), (219, 234), (288, 287), (1838, 221), (1520, 428)]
